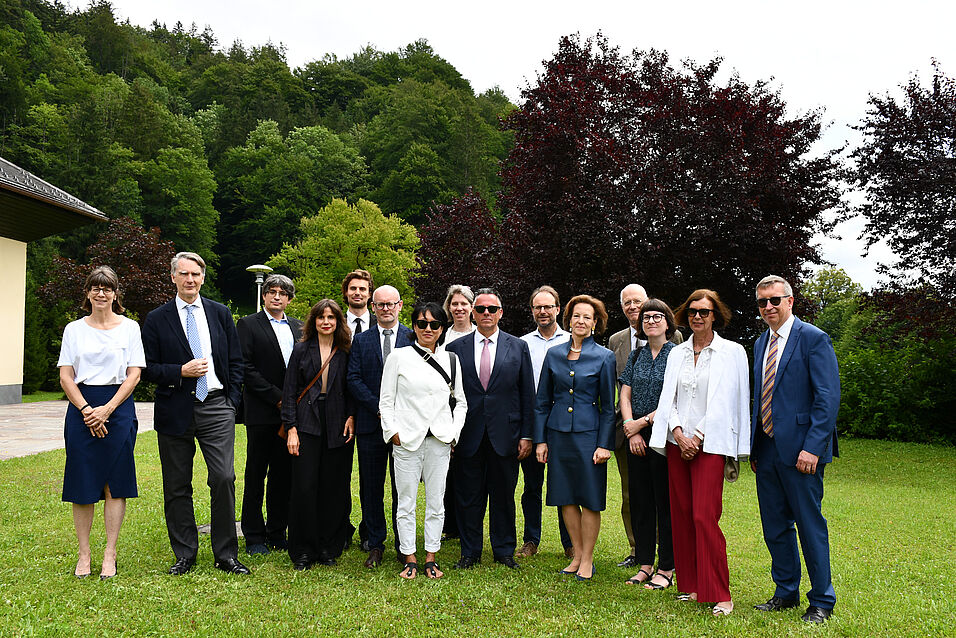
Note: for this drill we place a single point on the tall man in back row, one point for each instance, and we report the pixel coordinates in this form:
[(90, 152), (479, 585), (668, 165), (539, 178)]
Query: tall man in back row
[(499, 384), (194, 358), (793, 436)]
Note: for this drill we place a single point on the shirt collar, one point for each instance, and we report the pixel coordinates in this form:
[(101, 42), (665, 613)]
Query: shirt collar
[(785, 329), (350, 317), (181, 303), (494, 337), (557, 333), (284, 319)]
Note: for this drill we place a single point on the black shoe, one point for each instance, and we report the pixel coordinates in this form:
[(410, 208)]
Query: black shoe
[(365, 546), (301, 563), (507, 561), (325, 559), (450, 536), (108, 576), (232, 566), (630, 561), (182, 566), (279, 545), (776, 603), (467, 562), (256, 548), (816, 614)]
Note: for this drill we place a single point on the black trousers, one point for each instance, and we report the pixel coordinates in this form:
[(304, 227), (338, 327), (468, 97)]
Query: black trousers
[(650, 508), (319, 505), (451, 513), (214, 427), (269, 474), (374, 456), (486, 479)]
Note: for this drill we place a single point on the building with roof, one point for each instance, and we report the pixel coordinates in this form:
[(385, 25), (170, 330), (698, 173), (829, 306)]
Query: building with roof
[(30, 209)]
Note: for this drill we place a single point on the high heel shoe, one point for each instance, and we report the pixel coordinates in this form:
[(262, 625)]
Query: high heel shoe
[(108, 576), (82, 576)]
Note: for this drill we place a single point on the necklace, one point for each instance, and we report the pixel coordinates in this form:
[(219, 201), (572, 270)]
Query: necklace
[(575, 350)]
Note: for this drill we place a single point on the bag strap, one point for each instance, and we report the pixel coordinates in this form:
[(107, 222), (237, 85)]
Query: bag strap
[(427, 356), (321, 370)]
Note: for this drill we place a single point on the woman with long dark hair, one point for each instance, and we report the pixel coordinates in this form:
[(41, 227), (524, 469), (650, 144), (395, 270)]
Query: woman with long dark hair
[(317, 413)]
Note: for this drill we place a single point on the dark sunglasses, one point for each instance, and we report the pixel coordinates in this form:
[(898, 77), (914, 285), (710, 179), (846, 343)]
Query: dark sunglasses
[(424, 323), (490, 309), (774, 301), (703, 312)]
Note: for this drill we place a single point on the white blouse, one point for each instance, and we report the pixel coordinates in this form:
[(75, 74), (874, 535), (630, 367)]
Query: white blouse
[(101, 357), (453, 334), (692, 395), (414, 399)]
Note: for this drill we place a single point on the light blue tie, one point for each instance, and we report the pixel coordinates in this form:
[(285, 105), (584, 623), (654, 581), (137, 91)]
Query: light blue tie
[(192, 335)]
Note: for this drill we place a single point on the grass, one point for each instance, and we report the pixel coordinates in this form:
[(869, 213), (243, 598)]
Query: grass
[(891, 509), (43, 395)]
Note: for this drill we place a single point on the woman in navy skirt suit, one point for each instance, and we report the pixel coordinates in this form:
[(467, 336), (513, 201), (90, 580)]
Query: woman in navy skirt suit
[(574, 427), (101, 359)]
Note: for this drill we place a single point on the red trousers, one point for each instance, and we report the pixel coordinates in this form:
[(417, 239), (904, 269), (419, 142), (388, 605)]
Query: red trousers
[(700, 551)]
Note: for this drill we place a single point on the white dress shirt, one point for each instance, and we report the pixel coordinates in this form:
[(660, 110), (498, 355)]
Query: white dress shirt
[(364, 320), (539, 346), (492, 348), (453, 334), (212, 381), (782, 335), (284, 335)]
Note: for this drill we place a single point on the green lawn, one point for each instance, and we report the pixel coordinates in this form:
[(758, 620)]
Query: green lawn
[(42, 395), (891, 509)]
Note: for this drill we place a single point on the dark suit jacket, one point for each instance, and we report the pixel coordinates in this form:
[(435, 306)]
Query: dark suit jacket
[(164, 342), (581, 400), (806, 394), (264, 367), (365, 375), (506, 410), (304, 364)]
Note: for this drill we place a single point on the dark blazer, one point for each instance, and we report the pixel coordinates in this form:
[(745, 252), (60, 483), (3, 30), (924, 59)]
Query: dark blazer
[(506, 409), (304, 364), (365, 375), (806, 394), (579, 400), (164, 342), (264, 367)]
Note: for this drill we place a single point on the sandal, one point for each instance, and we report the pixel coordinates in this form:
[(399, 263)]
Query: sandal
[(432, 569), (669, 579), (634, 580), (721, 611), (409, 571), (686, 598)]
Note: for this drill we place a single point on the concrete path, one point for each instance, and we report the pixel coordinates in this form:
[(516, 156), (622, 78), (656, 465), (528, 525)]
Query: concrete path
[(29, 428)]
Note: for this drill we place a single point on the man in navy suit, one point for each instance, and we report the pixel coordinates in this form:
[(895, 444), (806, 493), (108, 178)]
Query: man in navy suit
[(795, 403), (193, 356), (267, 338), (499, 384), (370, 348)]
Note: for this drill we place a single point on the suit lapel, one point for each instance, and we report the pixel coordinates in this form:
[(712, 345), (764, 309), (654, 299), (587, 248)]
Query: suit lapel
[(176, 326), (501, 354), (266, 326), (788, 349), (467, 357), (377, 344), (760, 349)]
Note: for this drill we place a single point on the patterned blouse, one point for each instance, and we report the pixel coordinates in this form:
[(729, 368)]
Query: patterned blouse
[(645, 376)]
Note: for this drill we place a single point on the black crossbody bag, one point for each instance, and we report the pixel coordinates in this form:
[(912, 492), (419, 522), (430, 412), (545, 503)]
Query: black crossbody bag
[(430, 359)]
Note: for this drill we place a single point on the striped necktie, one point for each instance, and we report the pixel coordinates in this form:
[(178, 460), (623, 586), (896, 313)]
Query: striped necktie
[(766, 394), (192, 335)]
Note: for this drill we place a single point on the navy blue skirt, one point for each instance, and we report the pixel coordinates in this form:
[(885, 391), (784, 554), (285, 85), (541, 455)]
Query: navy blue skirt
[(573, 478), (93, 463)]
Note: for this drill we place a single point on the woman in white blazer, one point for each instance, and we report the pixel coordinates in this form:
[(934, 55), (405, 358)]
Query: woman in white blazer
[(703, 417), (423, 410)]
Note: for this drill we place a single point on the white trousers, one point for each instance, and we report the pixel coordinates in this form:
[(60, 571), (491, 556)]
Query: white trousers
[(430, 464)]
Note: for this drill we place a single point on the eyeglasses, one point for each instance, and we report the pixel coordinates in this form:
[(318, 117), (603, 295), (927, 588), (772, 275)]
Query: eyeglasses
[(774, 301), (653, 318), (543, 308), (633, 302), (421, 324), (275, 293), (386, 305), (97, 290), (489, 309), (703, 312)]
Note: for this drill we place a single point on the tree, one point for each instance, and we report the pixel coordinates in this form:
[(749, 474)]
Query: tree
[(828, 286), (625, 168), (340, 238), (906, 165)]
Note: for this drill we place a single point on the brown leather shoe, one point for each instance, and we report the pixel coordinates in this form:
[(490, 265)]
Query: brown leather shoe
[(528, 549), (374, 558)]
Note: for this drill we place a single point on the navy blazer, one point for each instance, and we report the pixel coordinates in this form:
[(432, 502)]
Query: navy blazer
[(506, 409), (264, 367), (579, 399), (164, 342), (304, 364), (365, 375), (806, 394)]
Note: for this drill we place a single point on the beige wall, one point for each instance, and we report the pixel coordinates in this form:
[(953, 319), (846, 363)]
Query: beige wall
[(13, 265)]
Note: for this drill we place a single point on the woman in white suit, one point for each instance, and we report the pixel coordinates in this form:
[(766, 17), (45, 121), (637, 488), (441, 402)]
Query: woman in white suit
[(703, 417), (422, 405)]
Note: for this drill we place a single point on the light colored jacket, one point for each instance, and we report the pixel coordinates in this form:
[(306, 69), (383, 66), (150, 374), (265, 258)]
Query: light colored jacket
[(727, 419), (414, 399)]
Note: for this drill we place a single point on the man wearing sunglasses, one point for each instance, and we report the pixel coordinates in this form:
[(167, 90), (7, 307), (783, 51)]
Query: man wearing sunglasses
[(499, 385), (796, 397), (370, 349)]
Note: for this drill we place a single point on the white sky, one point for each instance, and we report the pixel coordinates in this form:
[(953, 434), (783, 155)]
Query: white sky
[(829, 54)]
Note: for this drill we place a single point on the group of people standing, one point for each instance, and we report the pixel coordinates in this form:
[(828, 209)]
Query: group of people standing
[(460, 406)]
